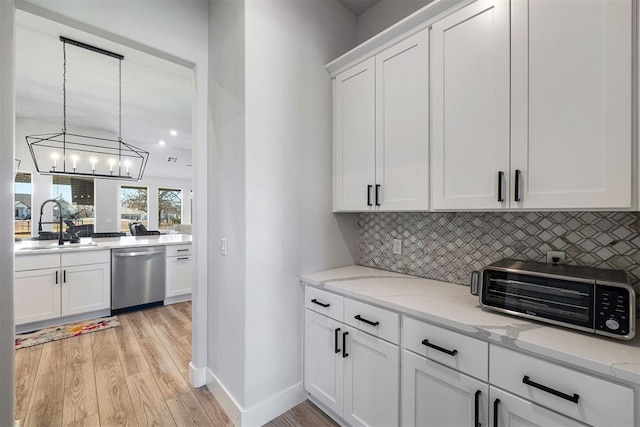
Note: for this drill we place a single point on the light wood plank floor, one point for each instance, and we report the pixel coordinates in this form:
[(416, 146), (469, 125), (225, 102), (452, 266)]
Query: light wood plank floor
[(133, 375)]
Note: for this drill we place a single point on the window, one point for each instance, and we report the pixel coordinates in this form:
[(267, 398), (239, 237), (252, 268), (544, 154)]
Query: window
[(22, 198), (134, 207), (77, 197), (169, 208)]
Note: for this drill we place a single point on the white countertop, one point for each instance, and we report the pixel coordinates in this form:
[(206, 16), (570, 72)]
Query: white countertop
[(452, 306), (88, 244)]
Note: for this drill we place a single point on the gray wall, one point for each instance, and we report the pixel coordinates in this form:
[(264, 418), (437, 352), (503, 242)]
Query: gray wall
[(384, 14)]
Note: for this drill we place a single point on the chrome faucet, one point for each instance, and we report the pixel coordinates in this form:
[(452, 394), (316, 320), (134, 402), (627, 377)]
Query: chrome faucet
[(57, 202)]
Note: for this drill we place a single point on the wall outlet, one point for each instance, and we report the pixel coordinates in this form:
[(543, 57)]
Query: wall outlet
[(555, 257), (223, 246), (397, 247)]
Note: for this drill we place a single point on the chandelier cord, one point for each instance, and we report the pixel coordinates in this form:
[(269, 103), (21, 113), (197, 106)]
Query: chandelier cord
[(120, 100), (64, 87)]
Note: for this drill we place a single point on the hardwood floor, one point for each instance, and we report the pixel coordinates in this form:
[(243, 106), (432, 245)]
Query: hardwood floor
[(133, 375)]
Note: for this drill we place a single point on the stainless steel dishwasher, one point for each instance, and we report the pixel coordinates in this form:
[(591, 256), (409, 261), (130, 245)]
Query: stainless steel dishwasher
[(137, 276)]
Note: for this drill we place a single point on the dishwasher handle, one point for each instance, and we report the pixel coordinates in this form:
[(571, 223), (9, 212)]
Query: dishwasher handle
[(134, 254)]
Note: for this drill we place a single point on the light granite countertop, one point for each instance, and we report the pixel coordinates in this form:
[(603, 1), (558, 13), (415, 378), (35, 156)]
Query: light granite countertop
[(452, 306), (34, 247)]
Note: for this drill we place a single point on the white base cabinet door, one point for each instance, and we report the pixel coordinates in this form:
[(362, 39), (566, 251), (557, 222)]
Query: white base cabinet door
[(86, 288), (36, 295), (508, 410), (436, 396), (323, 360), (371, 389), (179, 275)]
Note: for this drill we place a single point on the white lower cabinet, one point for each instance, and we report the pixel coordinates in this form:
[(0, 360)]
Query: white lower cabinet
[(56, 285), (508, 410), (437, 396), (353, 373), (179, 271)]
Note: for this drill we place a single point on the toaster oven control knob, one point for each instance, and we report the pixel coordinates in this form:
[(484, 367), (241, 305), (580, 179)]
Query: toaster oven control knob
[(612, 324)]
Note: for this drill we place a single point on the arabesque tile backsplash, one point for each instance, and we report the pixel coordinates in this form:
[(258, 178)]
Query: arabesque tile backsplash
[(448, 246)]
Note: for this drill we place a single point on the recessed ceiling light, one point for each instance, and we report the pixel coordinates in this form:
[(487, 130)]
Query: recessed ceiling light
[(173, 132), (161, 142)]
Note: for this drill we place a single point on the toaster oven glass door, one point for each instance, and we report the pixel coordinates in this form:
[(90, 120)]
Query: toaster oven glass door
[(565, 301)]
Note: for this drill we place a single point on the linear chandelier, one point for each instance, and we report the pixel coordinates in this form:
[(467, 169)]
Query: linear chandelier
[(81, 155)]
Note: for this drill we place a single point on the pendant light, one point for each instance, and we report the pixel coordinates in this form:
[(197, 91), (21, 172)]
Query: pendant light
[(87, 156)]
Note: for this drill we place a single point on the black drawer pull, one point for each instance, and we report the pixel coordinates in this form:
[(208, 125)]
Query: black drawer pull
[(444, 350), (344, 345), (182, 258), (369, 195), (495, 412), (477, 410), (362, 319), (377, 194), (182, 250), (335, 340), (56, 277), (64, 276), (315, 301), (549, 390), (500, 179), (517, 185)]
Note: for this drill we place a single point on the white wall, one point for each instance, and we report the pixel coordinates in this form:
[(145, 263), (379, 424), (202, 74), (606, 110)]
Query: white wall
[(226, 298), (7, 112), (384, 14), (271, 118), (290, 227)]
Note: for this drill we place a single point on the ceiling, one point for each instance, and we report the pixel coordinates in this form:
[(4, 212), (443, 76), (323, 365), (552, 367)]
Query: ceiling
[(156, 94), (358, 7)]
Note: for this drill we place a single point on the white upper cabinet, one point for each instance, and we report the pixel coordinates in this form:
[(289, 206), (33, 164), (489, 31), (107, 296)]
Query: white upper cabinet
[(470, 107), (381, 130), (402, 125), (354, 138), (571, 103)]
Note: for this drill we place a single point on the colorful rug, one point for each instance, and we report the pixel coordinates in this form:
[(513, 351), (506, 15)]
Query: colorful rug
[(55, 333)]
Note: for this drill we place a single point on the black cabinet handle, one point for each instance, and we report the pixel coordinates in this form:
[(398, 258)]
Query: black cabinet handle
[(182, 250), (182, 258), (315, 301), (344, 345), (377, 194), (369, 195), (335, 340), (517, 185), (565, 396), (500, 179), (362, 319), (495, 412), (444, 350), (64, 276), (56, 277), (477, 410)]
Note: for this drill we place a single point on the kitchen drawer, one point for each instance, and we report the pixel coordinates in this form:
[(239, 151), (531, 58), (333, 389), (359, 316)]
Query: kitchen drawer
[(471, 355), (85, 258), (178, 250), (323, 302), (36, 262), (386, 323), (599, 402)]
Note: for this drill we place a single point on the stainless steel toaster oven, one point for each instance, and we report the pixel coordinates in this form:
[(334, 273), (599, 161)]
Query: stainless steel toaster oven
[(589, 299)]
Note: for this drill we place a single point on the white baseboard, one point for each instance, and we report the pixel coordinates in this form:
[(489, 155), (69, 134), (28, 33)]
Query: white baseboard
[(261, 413), (178, 298), (197, 376)]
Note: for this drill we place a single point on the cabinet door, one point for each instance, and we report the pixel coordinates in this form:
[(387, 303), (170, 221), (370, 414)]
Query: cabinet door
[(179, 275), (512, 411), (470, 110), (371, 381), (323, 361), (571, 102), (86, 288), (402, 125), (36, 295), (354, 138), (437, 396)]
